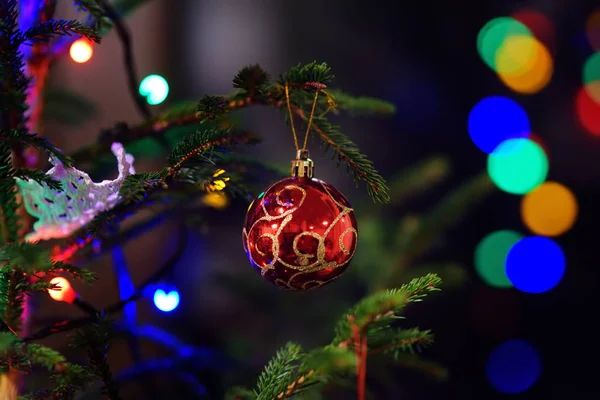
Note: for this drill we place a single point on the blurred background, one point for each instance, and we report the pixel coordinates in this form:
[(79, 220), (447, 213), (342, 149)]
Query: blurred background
[(457, 97)]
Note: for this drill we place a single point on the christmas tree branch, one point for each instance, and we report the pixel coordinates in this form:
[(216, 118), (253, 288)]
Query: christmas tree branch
[(44, 31), (364, 330), (96, 20), (95, 336), (65, 326), (255, 89)]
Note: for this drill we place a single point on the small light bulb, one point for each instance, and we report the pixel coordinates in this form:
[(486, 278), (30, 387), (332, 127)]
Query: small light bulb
[(64, 292), (81, 51), (166, 302), (155, 88)]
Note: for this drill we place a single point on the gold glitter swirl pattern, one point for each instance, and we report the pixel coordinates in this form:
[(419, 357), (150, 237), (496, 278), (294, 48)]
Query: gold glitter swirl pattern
[(300, 260)]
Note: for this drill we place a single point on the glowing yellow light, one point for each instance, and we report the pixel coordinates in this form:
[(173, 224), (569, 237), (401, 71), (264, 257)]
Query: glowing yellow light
[(216, 200), (218, 184), (524, 64), (549, 210), (81, 51), (64, 292)]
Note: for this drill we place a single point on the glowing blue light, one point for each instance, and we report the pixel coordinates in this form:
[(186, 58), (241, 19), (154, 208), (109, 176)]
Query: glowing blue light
[(164, 301), (155, 88), (513, 366), (535, 264), (496, 119)]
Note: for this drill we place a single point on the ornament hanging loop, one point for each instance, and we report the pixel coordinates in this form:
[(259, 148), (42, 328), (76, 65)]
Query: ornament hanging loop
[(302, 166)]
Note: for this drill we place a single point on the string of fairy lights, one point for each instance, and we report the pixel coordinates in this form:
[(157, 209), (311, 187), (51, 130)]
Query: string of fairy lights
[(518, 49)]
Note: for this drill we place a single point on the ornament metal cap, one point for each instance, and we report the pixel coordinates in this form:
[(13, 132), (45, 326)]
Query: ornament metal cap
[(302, 166)]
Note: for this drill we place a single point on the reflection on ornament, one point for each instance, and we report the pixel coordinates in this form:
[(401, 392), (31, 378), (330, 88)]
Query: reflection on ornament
[(61, 212), (301, 233)]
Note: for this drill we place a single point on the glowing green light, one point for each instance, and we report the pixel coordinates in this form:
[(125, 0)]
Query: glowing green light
[(261, 195), (518, 166), (591, 69), (490, 257), (155, 88), (494, 33)]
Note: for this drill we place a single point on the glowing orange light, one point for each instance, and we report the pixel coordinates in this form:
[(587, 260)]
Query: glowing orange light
[(524, 64), (588, 111), (550, 209), (64, 292), (81, 51)]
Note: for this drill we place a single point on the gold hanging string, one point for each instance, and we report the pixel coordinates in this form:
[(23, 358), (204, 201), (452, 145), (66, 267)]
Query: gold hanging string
[(289, 107), (291, 115), (310, 119)]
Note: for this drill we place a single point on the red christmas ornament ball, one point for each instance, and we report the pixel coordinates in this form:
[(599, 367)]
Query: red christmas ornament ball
[(300, 233)]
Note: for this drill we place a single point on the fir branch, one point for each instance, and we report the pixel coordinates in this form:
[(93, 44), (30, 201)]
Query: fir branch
[(137, 186), (37, 142), (44, 356), (418, 364), (346, 151), (13, 288), (203, 144), (26, 257), (399, 341), (32, 258), (420, 287), (252, 80), (39, 176), (7, 341), (96, 337), (46, 30), (305, 76), (358, 106), (328, 360), (382, 307), (211, 106), (76, 272), (93, 9), (9, 220), (278, 372)]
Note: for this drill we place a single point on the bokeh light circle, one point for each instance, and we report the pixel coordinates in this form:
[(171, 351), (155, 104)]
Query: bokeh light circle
[(587, 109), (535, 264), (524, 64), (539, 24), (550, 209), (496, 119), (494, 33), (155, 88), (518, 166), (592, 29), (490, 257), (81, 51), (513, 366), (591, 76)]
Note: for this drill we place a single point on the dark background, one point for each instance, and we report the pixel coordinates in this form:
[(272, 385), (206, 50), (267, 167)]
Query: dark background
[(422, 57)]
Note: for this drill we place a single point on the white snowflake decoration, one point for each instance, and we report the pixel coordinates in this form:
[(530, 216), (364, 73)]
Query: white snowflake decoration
[(62, 212)]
